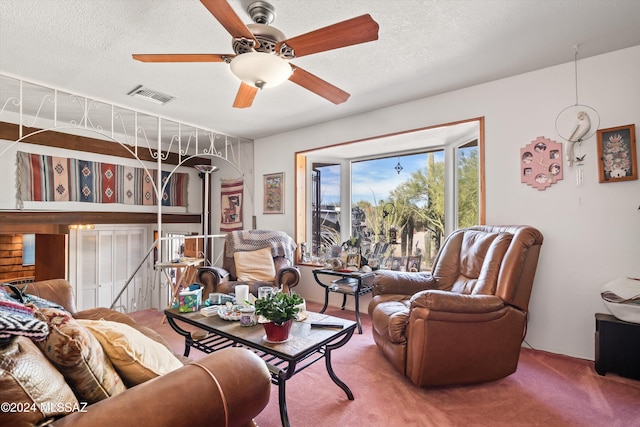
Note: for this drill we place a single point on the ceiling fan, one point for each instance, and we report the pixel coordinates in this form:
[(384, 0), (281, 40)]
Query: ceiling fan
[(263, 53)]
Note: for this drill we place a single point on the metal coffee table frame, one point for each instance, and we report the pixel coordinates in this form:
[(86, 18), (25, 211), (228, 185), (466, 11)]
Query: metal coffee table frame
[(305, 347)]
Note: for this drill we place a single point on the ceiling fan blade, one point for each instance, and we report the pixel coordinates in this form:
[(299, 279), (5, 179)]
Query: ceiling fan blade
[(357, 30), (224, 13), (181, 57), (318, 86), (245, 96)]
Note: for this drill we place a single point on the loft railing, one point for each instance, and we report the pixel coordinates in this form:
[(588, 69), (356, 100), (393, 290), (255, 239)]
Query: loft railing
[(37, 108)]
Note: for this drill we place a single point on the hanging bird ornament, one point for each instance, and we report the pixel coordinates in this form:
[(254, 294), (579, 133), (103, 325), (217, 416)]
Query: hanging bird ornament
[(582, 128), (580, 159)]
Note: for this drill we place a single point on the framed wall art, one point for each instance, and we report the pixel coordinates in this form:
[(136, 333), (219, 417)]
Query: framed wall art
[(541, 163), (273, 193), (617, 159)]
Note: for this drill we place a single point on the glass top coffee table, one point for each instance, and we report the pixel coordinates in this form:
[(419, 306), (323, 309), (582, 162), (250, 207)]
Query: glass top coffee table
[(305, 346)]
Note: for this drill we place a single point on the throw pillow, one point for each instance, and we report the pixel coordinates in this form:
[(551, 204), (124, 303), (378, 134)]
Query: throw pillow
[(79, 357), (27, 378), (136, 357), (18, 319), (255, 266)]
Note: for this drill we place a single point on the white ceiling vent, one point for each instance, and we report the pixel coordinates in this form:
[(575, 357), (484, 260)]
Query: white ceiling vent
[(151, 95)]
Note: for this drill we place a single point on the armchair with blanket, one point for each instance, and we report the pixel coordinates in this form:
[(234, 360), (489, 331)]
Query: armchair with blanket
[(464, 321), (99, 367), (255, 258)]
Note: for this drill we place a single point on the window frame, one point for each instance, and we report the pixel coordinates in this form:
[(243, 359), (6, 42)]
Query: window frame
[(305, 159)]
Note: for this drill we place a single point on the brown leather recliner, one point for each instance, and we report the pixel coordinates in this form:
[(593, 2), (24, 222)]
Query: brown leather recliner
[(225, 279), (464, 321)]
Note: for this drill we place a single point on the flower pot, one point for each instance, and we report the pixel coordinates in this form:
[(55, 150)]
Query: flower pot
[(277, 333)]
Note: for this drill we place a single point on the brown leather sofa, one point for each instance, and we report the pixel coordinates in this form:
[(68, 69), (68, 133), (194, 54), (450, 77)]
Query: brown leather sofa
[(208, 392), (463, 322), (225, 279)]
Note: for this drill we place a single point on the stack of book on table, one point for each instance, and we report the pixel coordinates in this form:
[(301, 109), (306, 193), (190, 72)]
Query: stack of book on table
[(346, 284)]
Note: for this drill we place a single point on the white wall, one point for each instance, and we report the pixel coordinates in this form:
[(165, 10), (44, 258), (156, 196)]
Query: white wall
[(592, 231)]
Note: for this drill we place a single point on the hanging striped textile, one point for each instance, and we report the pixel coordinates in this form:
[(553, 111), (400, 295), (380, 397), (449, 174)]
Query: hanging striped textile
[(42, 178), (231, 204)]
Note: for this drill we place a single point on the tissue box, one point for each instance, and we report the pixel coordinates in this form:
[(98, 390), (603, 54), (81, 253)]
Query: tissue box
[(189, 300)]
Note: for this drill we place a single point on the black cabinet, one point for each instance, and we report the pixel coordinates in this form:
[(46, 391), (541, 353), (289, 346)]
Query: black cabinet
[(617, 346)]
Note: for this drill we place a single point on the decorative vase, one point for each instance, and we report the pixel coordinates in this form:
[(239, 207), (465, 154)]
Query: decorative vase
[(277, 333)]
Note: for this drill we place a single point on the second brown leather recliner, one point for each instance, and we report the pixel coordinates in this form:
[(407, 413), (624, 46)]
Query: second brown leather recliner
[(464, 321), (239, 245)]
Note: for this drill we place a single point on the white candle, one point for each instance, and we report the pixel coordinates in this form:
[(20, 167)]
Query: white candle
[(242, 294)]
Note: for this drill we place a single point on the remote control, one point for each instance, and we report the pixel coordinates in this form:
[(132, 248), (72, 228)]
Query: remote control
[(327, 325)]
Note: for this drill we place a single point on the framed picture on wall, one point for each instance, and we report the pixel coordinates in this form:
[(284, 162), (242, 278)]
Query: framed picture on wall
[(617, 154), (273, 193)]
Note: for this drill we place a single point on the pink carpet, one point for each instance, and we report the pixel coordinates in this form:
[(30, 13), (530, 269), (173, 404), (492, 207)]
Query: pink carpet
[(546, 390)]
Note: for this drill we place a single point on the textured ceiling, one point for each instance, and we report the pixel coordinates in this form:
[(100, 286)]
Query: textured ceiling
[(424, 48)]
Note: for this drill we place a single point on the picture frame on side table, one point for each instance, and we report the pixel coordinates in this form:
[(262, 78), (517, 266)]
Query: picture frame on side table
[(413, 263), (399, 263), (353, 260), (273, 193), (617, 159)]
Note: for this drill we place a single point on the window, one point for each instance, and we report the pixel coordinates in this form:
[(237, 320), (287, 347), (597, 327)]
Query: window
[(28, 249), (467, 184), (325, 207), (396, 203)]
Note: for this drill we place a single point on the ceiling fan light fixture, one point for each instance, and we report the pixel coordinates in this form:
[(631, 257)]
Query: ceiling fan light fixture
[(261, 69)]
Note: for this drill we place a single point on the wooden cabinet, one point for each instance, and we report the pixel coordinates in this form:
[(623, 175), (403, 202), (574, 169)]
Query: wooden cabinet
[(51, 256), (193, 248)]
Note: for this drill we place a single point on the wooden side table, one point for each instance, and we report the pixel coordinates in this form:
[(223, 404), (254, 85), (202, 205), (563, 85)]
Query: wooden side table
[(186, 271), (353, 283), (617, 346)]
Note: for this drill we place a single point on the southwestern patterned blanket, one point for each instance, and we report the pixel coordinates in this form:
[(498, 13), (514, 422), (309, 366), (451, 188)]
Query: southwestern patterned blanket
[(44, 178)]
